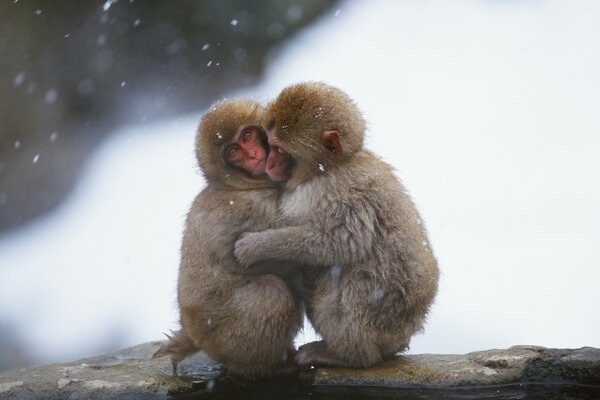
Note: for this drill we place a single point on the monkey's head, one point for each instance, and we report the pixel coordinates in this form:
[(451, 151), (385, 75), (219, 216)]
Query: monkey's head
[(231, 146), (312, 128)]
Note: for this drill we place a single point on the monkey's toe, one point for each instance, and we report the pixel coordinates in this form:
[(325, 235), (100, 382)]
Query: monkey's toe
[(316, 354)]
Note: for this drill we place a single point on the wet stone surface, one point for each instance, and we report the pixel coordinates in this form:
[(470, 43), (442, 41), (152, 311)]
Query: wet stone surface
[(517, 372)]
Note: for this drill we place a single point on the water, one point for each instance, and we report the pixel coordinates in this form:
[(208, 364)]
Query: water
[(300, 389)]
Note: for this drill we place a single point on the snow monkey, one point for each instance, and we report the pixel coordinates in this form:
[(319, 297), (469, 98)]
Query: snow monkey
[(248, 322), (349, 218)]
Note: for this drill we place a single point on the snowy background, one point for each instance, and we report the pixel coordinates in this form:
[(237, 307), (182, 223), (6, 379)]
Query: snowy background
[(489, 111)]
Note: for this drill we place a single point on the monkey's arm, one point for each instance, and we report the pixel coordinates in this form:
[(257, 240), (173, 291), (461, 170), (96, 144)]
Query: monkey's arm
[(304, 245)]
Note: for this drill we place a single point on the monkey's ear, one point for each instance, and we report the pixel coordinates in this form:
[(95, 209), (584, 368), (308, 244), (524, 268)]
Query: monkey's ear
[(331, 141)]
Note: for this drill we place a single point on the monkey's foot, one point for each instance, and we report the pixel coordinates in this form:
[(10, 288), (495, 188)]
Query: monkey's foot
[(287, 366), (317, 354)]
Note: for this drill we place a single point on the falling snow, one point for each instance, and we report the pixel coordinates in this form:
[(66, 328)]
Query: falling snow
[(209, 63), (38, 12), (107, 5), (234, 22), (51, 96), (19, 79), (294, 13), (336, 271), (231, 202), (136, 22), (210, 385), (205, 47), (123, 84), (17, 144), (321, 168), (36, 158), (53, 136), (337, 12), (101, 41), (376, 294)]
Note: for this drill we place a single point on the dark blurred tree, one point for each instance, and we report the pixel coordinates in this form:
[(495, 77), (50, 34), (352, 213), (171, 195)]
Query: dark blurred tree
[(71, 71)]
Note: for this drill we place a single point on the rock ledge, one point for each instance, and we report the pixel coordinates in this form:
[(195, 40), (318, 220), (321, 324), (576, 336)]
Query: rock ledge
[(131, 373)]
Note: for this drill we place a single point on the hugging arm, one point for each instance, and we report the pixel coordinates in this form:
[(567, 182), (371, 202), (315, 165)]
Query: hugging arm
[(306, 245)]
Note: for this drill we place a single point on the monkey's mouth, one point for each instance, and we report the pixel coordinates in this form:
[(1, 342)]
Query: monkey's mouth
[(259, 168)]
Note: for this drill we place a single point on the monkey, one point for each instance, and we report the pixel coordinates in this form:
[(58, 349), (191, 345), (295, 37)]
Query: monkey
[(245, 321), (374, 275)]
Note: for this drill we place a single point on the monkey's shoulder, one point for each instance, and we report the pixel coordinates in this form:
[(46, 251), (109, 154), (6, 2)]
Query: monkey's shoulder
[(230, 206), (364, 180)]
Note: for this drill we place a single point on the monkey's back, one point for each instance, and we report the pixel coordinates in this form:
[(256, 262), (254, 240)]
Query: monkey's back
[(391, 277), (244, 321), (209, 275), (216, 219)]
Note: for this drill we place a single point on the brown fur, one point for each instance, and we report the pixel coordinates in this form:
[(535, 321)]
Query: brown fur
[(247, 322), (374, 276)]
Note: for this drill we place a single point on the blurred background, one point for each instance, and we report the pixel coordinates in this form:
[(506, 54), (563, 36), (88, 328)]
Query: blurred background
[(488, 109)]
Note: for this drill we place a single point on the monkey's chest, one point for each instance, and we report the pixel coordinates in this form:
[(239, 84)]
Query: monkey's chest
[(301, 205)]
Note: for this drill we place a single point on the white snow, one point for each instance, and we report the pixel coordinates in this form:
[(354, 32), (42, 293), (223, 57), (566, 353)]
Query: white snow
[(51, 96), (489, 113), (19, 79)]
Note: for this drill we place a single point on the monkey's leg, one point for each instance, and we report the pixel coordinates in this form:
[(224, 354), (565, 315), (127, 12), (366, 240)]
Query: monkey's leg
[(317, 354), (343, 350), (178, 347), (257, 338), (337, 312)]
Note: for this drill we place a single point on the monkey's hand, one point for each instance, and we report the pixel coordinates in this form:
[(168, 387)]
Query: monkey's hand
[(299, 244), (245, 249)]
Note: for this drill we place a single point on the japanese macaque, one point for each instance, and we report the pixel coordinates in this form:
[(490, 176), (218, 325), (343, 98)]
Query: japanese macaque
[(247, 322), (349, 218)]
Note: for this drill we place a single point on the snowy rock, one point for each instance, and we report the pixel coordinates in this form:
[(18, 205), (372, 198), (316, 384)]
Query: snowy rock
[(131, 373), (516, 365)]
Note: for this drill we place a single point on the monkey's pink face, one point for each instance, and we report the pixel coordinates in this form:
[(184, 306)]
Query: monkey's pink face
[(279, 162), (247, 150)]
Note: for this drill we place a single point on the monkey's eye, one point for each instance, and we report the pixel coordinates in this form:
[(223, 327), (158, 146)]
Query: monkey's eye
[(280, 150), (231, 152), (247, 135)]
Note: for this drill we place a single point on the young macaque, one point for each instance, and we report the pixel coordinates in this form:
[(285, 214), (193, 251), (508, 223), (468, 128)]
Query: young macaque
[(351, 219), (247, 322)]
